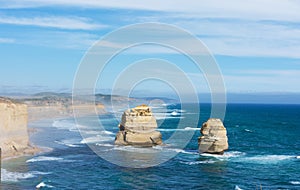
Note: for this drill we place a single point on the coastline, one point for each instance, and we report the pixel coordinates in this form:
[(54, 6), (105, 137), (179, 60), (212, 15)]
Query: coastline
[(42, 114), (72, 159), (34, 147)]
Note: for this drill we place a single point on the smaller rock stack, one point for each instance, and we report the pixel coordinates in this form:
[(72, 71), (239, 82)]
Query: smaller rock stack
[(137, 128), (214, 137)]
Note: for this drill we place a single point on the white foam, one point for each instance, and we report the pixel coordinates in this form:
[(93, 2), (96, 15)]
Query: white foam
[(104, 144), (298, 157), (168, 117), (191, 129), (240, 157), (199, 162), (237, 188), (67, 125), (43, 158), (90, 132), (247, 130), (43, 184), (185, 129), (96, 139), (8, 176), (68, 143), (63, 124), (226, 155), (167, 129), (295, 182), (14, 176), (158, 147), (266, 159), (154, 149), (39, 173), (182, 151), (135, 149), (106, 132), (98, 132), (167, 149)]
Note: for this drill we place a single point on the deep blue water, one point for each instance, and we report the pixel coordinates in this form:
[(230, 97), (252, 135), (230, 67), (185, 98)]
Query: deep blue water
[(264, 145)]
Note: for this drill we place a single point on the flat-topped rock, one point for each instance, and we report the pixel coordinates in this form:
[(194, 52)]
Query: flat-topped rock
[(137, 128), (214, 137)]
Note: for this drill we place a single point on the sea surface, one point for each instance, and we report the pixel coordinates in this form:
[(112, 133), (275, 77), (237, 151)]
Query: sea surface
[(264, 153)]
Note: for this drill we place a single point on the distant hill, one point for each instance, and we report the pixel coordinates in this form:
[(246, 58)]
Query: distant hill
[(52, 94)]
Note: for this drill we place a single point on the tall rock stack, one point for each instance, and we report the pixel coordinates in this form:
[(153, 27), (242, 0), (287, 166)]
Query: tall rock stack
[(137, 128), (214, 137)]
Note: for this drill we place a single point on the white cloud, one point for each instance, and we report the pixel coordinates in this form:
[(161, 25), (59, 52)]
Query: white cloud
[(278, 73), (247, 9), (73, 23), (6, 40), (234, 27), (242, 37), (59, 39)]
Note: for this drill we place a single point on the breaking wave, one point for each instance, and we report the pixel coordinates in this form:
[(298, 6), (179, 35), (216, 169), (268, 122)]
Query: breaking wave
[(168, 117), (199, 162), (67, 125), (295, 182), (265, 159), (8, 176), (43, 159), (237, 156), (96, 139), (69, 143), (237, 188), (225, 156), (42, 185), (135, 149), (185, 129), (104, 144)]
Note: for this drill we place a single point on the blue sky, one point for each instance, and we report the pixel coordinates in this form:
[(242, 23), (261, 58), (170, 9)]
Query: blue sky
[(256, 43)]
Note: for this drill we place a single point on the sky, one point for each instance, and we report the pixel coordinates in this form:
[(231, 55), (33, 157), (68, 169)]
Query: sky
[(256, 43)]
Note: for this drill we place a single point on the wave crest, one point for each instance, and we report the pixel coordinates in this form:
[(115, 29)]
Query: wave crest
[(8, 176), (43, 158)]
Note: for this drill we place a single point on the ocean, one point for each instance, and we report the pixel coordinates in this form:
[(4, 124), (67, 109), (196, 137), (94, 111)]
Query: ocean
[(264, 150)]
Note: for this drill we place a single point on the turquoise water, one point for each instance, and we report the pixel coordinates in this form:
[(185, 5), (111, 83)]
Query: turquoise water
[(264, 145)]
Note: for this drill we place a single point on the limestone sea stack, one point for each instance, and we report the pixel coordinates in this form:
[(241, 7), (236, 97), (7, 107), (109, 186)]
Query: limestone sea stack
[(214, 137), (137, 128)]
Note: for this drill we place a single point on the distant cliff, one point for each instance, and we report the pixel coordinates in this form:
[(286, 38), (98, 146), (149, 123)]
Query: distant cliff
[(49, 105), (14, 139), (57, 105)]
